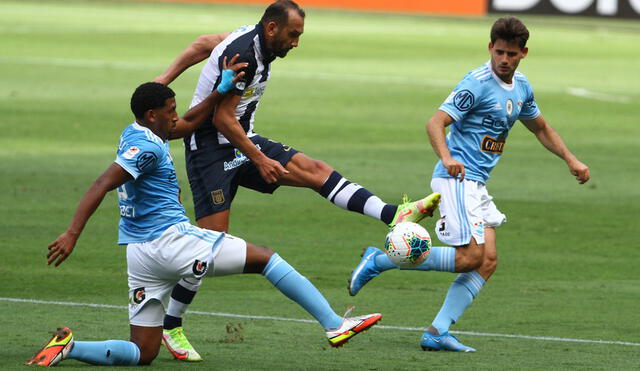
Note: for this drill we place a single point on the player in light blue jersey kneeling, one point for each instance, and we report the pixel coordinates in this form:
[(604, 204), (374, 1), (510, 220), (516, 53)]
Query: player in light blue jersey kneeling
[(480, 111), (162, 246)]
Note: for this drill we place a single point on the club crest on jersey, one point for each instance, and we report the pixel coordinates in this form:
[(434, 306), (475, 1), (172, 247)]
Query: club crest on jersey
[(240, 85), (463, 100), (199, 268), (509, 107), (217, 197), (131, 152), (137, 296), (493, 145)]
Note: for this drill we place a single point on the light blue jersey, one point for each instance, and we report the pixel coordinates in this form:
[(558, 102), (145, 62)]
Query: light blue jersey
[(149, 203), (484, 109)]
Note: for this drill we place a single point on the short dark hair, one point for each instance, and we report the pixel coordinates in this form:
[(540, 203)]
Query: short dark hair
[(150, 95), (279, 12), (510, 29)]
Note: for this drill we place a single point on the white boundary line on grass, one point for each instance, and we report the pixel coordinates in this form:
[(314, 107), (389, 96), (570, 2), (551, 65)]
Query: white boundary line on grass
[(401, 328)]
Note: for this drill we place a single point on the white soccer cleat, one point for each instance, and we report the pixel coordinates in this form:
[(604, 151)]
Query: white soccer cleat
[(351, 326)]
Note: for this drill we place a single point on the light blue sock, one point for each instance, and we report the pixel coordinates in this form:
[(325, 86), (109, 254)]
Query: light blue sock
[(441, 258), (106, 353), (460, 295), (297, 288)]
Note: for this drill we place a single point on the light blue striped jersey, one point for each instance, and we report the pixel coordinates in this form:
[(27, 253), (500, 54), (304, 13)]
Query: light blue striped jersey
[(484, 109), (149, 204)]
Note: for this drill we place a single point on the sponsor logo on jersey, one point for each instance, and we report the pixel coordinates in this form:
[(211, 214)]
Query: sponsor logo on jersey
[(239, 159), (217, 197), (199, 268), (146, 160), (442, 227), (493, 145), (137, 296), (464, 100), (248, 93), (479, 226), (131, 152)]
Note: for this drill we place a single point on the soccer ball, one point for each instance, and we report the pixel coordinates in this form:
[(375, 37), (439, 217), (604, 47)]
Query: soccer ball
[(407, 245)]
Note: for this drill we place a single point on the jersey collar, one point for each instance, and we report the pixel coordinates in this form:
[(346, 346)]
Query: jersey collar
[(150, 134), (504, 85), (266, 53)]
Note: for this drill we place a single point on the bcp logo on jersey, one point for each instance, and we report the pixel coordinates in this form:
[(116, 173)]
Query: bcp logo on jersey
[(138, 296), (464, 100), (199, 268)]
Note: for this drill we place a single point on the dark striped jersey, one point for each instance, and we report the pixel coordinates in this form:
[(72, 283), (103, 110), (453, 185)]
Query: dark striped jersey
[(248, 42)]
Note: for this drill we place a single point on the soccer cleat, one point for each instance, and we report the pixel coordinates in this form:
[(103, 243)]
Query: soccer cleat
[(445, 341), (365, 271), (351, 326), (55, 350), (415, 211), (179, 346)]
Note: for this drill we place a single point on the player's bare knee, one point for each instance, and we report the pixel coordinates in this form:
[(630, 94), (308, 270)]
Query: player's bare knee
[(469, 257), (147, 353), (257, 258)]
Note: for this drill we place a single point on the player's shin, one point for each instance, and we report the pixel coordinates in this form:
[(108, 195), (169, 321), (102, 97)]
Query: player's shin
[(354, 197), (181, 296), (441, 259), (106, 353), (297, 288), (460, 295)]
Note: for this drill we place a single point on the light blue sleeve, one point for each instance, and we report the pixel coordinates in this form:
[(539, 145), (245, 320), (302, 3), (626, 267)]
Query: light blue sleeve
[(530, 108), (139, 157), (463, 99)]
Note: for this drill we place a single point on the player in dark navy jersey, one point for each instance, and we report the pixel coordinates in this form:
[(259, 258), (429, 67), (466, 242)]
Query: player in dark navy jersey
[(225, 152)]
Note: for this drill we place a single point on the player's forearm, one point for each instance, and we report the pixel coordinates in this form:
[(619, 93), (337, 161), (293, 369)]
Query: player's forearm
[(437, 138), (554, 143), (196, 115), (230, 127), (195, 53), (87, 206)]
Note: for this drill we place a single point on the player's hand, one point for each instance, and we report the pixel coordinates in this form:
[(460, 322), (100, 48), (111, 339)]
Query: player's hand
[(61, 248), (454, 168), (271, 170), (229, 76), (580, 171)]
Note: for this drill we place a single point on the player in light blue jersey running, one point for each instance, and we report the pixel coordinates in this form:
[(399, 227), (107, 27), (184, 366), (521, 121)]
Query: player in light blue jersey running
[(162, 246), (479, 112)]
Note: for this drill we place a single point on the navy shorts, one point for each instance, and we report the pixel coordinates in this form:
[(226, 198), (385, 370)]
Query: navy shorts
[(215, 172)]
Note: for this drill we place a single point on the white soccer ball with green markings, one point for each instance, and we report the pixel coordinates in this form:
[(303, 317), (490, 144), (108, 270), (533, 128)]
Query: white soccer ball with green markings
[(407, 244)]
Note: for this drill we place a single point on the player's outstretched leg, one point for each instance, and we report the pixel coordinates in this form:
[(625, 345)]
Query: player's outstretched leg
[(354, 197), (415, 211), (298, 288), (55, 350), (351, 326), (173, 335), (106, 353), (375, 261)]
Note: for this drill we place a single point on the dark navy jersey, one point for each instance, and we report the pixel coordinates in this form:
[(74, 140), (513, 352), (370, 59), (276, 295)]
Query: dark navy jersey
[(248, 42)]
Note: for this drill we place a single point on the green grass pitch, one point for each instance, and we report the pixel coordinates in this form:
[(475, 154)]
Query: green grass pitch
[(356, 94)]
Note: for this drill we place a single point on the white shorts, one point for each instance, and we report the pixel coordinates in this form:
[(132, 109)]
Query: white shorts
[(466, 208), (182, 251)]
